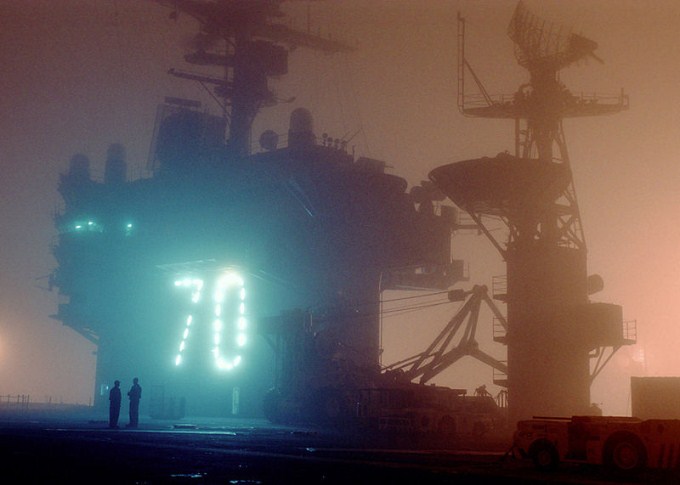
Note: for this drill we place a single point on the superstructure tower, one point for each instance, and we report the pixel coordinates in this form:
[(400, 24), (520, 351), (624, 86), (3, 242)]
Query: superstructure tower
[(174, 276), (553, 328)]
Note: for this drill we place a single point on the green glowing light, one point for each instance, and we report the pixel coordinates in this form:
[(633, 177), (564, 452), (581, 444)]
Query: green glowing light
[(89, 225), (241, 339)]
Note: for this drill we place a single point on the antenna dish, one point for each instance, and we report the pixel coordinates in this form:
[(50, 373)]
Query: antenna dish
[(541, 44)]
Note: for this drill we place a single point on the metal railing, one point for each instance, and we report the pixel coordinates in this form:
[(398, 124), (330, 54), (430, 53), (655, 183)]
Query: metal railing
[(502, 399), (499, 375), (20, 401), (499, 331), (630, 330), (499, 287)]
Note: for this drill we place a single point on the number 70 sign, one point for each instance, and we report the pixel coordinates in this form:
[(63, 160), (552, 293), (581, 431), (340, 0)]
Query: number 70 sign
[(229, 323)]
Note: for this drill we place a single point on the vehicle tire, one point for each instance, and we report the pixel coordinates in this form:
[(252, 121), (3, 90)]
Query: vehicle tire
[(544, 455), (625, 453)]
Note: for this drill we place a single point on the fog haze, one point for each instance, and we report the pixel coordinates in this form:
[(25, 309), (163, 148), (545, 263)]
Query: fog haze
[(79, 75)]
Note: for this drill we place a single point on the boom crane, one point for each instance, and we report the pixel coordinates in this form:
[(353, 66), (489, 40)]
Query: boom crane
[(445, 350)]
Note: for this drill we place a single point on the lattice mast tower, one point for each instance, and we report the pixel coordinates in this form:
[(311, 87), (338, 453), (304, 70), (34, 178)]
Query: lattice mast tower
[(552, 328), (247, 41)]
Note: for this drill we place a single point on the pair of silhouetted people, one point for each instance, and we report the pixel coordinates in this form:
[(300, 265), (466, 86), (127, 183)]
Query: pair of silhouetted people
[(135, 394)]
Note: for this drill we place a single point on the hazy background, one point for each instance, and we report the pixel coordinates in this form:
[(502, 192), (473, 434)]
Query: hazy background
[(78, 75)]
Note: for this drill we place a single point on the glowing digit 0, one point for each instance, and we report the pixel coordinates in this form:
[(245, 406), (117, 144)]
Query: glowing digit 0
[(229, 313)]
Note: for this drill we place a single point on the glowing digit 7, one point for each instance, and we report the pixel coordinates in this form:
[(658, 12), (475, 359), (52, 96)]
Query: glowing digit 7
[(229, 298), (197, 286)]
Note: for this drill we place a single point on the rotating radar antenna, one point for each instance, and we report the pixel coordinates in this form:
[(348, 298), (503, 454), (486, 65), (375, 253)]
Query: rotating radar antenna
[(539, 106)]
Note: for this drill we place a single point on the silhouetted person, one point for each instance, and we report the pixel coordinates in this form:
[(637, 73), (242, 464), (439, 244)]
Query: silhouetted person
[(481, 391), (114, 404), (135, 394)]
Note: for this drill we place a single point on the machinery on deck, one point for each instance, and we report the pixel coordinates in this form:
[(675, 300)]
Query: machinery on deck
[(316, 380), (430, 411), (622, 444)]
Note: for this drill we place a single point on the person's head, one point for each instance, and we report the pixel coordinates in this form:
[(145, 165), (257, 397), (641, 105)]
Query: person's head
[(135, 380), (116, 383)]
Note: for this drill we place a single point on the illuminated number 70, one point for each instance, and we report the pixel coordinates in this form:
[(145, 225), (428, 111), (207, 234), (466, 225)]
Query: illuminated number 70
[(229, 309)]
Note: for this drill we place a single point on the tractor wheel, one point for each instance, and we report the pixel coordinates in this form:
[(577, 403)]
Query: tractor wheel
[(544, 455), (625, 453)]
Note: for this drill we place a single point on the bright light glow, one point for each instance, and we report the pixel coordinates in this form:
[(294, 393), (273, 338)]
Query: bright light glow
[(225, 286), (196, 285), (229, 322), (89, 225), (226, 365)]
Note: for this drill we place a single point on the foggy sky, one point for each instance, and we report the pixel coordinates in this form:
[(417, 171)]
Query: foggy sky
[(81, 74)]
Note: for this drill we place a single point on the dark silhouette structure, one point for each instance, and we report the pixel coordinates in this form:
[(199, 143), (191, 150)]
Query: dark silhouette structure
[(135, 395), (553, 329), (114, 404), (176, 273)]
